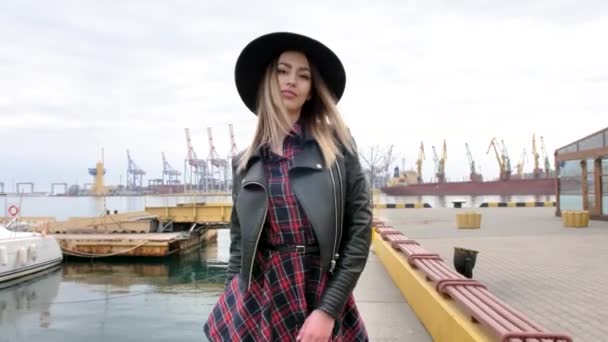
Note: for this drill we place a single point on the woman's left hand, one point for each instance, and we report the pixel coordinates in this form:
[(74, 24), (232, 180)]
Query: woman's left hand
[(317, 327)]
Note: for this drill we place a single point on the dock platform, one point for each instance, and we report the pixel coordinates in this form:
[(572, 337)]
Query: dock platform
[(142, 245)]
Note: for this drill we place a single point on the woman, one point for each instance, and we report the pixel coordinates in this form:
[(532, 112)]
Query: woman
[(301, 221)]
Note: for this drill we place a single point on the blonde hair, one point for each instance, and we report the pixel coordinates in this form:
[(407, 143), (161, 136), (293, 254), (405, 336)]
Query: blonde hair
[(319, 116)]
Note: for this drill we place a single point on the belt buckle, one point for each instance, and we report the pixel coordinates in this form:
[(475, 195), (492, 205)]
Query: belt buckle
[(300, 249)]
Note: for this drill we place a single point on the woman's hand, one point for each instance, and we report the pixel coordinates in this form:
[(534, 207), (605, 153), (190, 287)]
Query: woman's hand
[(317, 327)]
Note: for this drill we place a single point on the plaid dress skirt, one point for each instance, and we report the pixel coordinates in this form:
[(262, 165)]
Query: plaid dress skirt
[(285, 287)]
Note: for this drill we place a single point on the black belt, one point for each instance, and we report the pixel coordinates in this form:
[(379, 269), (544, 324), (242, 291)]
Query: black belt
[(300, 249)]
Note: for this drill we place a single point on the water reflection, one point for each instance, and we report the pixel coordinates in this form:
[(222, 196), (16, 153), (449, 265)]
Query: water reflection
[(27, 301), (196, 268), (116, 300)]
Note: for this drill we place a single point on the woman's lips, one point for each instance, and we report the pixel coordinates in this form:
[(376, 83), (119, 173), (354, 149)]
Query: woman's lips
[(288, 94)]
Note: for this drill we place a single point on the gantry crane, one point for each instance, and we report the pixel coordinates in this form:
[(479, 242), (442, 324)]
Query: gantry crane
[(134, 174), (474, 176), (503, 163), (233, 149), (537, 169), (545, 157), (419, 162), (194, 168), (520, 165), (218, 167), (171, 173)]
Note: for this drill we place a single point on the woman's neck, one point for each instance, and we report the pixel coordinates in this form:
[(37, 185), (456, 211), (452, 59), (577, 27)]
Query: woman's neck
[(293, 117)]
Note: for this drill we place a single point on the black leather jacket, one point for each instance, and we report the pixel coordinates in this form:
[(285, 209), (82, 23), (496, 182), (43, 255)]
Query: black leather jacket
[(337, 204)]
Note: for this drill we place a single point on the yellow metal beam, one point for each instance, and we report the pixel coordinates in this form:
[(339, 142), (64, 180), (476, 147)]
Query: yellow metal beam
[(199, 212), (441, 317)]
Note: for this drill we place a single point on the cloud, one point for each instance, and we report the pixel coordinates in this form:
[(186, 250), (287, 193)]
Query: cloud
[(80, 76)]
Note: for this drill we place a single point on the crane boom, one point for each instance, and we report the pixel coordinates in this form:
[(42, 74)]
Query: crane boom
[(545, 157), (421, 157), (470, 158), (498, 157), (435, 159), (502, 158), (505, 157), (522, 161), (233, 149)]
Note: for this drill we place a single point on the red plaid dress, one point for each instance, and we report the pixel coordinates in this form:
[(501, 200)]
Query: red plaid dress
[(286, 287)]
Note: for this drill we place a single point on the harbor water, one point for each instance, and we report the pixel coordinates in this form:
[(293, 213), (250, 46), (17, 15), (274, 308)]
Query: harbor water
[(117, 299)]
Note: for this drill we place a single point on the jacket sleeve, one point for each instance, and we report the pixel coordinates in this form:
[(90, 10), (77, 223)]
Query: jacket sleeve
[(234, 263), (356, 239)]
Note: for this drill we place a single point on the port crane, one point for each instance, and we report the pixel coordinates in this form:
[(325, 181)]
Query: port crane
[(545, 157), (233, 149), (134, 174), (419, 163), (171, 173), (537, 170), (440, 163), (218, 166), (194, 168), (474, 176), (505, 158), (520, 165), (503, 162)]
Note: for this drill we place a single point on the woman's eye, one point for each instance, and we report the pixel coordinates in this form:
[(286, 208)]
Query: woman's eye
[(282, 71), (306, 77)]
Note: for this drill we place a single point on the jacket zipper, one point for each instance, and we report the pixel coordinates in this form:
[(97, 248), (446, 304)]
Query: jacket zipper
[(259, 232), (332, 265), (342, 199)]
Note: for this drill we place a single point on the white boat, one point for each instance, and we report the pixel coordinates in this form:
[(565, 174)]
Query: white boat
[(24, 254)]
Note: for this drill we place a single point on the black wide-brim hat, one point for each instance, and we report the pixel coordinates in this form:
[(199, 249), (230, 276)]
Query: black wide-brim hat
[(253, 60)]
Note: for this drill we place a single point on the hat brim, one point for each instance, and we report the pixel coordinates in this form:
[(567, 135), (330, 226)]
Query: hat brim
[(253, 60)]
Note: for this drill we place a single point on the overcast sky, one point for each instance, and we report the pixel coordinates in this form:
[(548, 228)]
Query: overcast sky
[(76, 76)]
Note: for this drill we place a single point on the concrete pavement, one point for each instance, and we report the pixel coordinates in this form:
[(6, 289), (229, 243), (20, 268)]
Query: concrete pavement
[(556, 276)]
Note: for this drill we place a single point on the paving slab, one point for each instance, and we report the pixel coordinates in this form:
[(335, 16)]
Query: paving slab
[(387, 316), (557, 276)]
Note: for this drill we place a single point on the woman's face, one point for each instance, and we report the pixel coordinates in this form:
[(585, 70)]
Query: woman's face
[(294, 79)]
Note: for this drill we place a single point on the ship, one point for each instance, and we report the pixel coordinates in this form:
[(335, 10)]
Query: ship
[(539, 182), (541, 186)]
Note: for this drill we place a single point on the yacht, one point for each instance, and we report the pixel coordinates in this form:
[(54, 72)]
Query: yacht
[(24, 254)]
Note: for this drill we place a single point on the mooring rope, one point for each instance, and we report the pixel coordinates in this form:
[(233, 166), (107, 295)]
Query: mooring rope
[(96, 255)]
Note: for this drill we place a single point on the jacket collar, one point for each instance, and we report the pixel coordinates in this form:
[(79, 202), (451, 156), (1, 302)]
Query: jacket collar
[(309, 158)]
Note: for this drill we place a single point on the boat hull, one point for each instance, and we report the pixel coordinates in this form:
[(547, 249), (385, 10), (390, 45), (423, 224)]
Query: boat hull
[(25, 254), (545, 186)]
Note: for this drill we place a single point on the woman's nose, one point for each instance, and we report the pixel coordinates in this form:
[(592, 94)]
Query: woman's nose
[(291, 79)]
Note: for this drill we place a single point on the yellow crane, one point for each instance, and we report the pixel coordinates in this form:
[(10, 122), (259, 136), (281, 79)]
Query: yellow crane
[(503, 162), (419, 162), (520, 165)]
